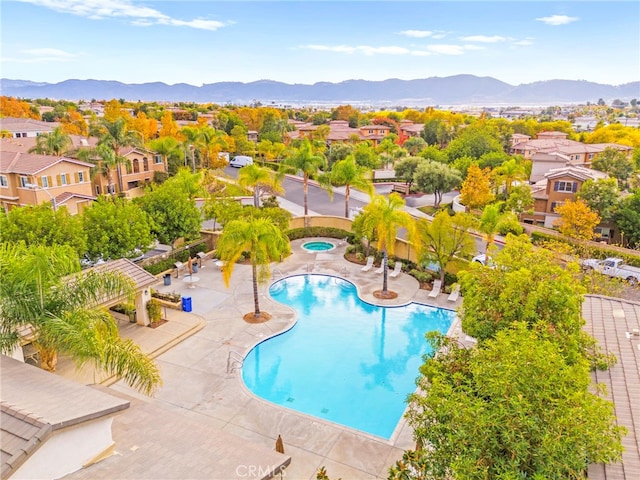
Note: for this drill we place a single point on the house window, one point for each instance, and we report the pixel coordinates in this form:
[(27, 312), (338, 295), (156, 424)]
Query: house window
[(157, 159), (64, 179), (24, 181), (560, 186), (603, 232), (97, 189), (81, 178), (45, 182), (136, 166), (145, 164), (555, 205), (3, 181), (590, 156)]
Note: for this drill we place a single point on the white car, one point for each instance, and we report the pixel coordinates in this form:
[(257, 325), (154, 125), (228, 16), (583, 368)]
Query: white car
[(481, 259), (240, 161)]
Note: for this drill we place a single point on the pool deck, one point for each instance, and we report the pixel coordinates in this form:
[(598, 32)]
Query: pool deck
[(192, 351)]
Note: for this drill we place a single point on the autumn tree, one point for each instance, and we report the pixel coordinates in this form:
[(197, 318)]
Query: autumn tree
[(12, 107), (476, 188), (601, 196), (436, 178), (169, 128), (577, 220), (73, 123)]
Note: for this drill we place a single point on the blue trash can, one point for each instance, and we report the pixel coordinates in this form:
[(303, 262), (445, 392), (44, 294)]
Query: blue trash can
[(186, 304), (194, 267), (167, 279)]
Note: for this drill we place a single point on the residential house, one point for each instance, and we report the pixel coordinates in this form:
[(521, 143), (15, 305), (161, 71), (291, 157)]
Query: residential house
[(30, 179), (410, 129), (549, 142), (26, 127), (139, 169), (557, 187), (340, 131)]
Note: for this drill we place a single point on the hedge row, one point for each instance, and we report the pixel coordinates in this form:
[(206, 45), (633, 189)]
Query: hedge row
[(329, 232), (600, 252)]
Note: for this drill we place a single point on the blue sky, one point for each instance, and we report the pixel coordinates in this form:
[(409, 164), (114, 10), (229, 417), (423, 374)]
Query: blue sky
[(198, 42)]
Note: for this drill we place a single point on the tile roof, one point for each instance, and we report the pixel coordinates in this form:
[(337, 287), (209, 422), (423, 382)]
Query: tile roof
[(139, 275), (608, 320), (31, 163), (14, 124), (579, 173), (35, 403)]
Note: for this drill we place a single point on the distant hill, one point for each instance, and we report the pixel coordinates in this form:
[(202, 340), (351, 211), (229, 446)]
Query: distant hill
[(453, 90)]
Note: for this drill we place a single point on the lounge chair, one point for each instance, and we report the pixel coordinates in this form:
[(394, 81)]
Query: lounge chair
[(380, 269), (455, 293), (369, 264), (435, 291), (396, 270)]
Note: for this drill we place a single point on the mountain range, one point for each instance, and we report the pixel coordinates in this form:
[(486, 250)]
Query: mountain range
[(452, 90)]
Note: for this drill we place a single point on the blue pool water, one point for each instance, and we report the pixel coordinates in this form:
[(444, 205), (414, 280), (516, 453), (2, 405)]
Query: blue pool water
[(318, 246), (345, 360)]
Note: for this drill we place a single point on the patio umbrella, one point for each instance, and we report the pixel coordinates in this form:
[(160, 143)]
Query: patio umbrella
[(279, 445)]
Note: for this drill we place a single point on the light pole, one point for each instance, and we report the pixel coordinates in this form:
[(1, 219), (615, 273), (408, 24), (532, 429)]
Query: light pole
[(33, 186)]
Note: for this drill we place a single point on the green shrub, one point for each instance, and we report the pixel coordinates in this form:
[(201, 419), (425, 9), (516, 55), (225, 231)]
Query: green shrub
[(329, 232), (421, 276), (154, 308)]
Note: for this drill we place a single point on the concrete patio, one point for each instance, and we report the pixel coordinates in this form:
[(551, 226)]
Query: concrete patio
[(192, 350)]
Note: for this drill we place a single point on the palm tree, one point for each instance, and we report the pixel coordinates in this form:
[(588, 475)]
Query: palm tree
[(104, 160), (116, 136), (168, 147), (55, 142), (509, 172), (42, 287), (265, 243), (382, 218), (349, 174), (303, 159), (259, 179)]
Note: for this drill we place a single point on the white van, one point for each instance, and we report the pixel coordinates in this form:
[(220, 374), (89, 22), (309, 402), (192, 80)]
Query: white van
[(240, 161)]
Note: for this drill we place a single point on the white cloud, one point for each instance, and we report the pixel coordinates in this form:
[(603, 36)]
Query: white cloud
[(446, 49), (556, 20), (523, 43), (365, 49), (41, 55), (438, 49), (484, 39), (138, 15), (417, 33)]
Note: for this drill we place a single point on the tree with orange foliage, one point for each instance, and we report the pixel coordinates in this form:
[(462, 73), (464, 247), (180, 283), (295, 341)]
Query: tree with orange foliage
[(169, 126), (114, 110), (147, 127), (476, 188), (12, 107), (73, 123), (577, 220)]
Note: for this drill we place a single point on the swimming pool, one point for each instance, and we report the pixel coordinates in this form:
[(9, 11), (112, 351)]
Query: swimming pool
[(345, 360), (318, 246)]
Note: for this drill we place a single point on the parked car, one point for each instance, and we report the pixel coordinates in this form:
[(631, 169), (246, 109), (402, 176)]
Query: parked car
[(240, 161), (613, 267)]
